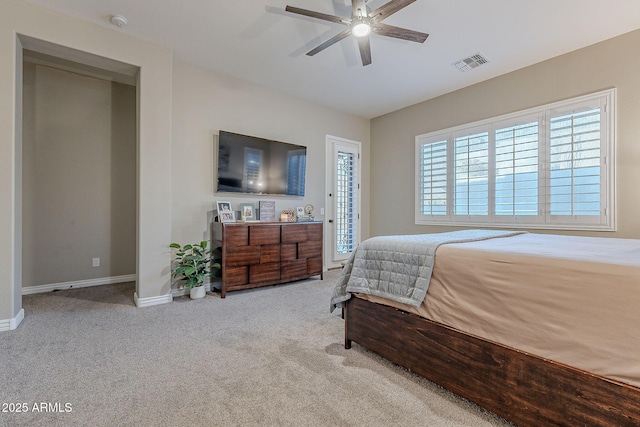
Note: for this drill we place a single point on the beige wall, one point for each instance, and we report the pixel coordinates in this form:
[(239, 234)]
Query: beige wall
[(205, 102), (613, 63), (79, 176), (154, 142)]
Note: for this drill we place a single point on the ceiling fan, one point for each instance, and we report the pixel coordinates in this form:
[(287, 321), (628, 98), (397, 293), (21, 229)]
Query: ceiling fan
[(363, 23)]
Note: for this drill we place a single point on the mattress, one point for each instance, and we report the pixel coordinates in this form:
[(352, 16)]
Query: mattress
[(574, 300)]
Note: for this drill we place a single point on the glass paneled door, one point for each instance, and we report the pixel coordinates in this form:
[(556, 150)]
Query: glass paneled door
[(344, 197)]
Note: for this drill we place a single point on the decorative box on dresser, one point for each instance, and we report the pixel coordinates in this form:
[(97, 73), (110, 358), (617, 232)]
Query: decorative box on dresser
[(267, 253)]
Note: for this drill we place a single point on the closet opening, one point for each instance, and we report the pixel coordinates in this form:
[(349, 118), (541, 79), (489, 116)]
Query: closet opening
[(79, 168)]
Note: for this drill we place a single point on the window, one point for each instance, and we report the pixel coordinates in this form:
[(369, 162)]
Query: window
[(547, 167)]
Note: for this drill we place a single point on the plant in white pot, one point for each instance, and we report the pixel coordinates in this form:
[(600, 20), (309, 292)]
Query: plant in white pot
[(193, 266)]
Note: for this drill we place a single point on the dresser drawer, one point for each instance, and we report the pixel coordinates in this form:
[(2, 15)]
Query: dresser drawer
[(264, 234), (314, 231), (260, 273), (294, 270), (236, 235), (294, 233), (310, 249), (269, 253), (314, 266), (242, 255), (234, 276), (288, 251)]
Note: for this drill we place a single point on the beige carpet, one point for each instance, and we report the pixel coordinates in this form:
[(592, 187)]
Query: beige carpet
[(265, 357)]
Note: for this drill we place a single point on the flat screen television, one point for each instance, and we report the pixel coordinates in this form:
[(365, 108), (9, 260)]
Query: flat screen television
[(247, 164)]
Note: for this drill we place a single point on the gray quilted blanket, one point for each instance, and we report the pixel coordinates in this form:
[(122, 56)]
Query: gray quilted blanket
[(399, 267)]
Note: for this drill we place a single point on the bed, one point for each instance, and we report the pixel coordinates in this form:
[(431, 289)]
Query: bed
[(539, 329)]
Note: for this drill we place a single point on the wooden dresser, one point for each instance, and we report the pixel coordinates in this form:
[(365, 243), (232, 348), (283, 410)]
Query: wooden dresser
[(267, 253)]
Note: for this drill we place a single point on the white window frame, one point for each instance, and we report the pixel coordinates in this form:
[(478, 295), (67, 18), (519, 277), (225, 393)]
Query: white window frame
[(606, 221)]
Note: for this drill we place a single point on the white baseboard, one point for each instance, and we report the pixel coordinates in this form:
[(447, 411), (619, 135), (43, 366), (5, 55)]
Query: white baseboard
[(78, 284), (150, 301), (10, 324)]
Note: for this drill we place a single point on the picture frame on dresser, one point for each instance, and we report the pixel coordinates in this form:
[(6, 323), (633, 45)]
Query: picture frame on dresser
[(227, 216), (288, 215), (223, 206), (267, 210), (248, 211)]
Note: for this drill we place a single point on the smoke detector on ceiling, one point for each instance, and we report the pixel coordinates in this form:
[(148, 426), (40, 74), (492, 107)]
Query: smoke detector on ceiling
[(473, 61), (119, 21)]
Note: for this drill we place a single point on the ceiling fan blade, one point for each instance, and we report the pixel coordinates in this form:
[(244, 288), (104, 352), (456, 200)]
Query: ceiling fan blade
[(400, 33), (389, 9), (331, 41), (358, 4), (365, 50), (318, 15)]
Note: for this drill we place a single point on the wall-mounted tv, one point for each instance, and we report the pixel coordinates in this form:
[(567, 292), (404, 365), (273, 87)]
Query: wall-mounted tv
[(247, 164)]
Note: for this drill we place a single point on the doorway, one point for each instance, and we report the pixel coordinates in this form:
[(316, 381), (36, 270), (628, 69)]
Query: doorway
[(79, 164), (342, 198)]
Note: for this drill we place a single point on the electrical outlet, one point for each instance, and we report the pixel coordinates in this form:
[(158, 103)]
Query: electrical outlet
[(96, 262), (321, 211)]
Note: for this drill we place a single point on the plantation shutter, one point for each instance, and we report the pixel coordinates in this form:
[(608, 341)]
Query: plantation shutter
[(575, 164), (516, 170), (345, 200), (433, 186), (471, 174)]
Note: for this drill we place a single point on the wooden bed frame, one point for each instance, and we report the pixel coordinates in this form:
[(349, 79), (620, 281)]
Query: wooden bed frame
[(525, 389)]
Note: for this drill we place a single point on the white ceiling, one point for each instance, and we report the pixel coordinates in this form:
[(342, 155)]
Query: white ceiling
[(259, 42)]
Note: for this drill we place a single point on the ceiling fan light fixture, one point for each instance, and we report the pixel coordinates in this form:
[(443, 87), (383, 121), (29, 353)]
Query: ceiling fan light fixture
[(361, 24), (360, 27)]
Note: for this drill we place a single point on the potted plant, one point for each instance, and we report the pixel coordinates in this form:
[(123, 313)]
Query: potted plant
[(193, 266)]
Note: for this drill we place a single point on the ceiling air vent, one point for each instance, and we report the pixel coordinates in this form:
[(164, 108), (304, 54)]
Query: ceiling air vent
[(474, 61)]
